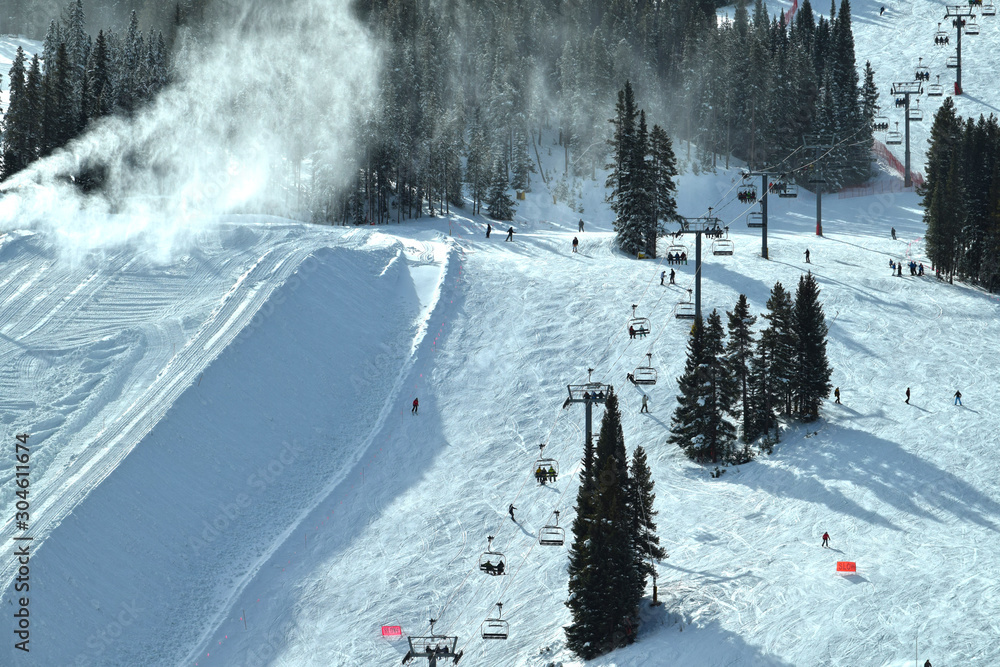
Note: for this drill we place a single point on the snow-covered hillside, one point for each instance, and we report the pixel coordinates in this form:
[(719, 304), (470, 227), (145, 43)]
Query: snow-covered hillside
[(225, 469)]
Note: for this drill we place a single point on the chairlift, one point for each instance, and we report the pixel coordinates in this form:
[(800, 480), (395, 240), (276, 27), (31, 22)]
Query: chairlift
[(922, 73), (972, 28), (746, 194), (546, 469), (552, 534), (492, 562), (786, 190), (436, 647), (989, 9), (755, 219), (645, 374), (638, 324), (495, 628), (935, 89), (941, 37), (952, 62), (915, 112), (895, 137), (881, 123), (723, 247), (685, 309)]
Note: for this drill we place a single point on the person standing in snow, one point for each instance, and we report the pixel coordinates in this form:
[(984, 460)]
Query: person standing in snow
[(893, 233), (899, 269), (836, 395), (907, 401), (645, 403), (510, 510), (663, 275), (807, 255), (415, 404), (581, 224), (576, 243), (927, 664), (489, 228), (671, 276), (826, 540), (510, 234), (880, 12), (958, 398)]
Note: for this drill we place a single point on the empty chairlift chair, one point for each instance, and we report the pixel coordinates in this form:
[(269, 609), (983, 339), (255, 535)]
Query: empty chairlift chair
[(936, 89), (638, 324), (723, 247), (895, 137), (755, 219), (952, 62), (972, 28), (495, 627), (546, 470), (989, 9), (645, 374), (916, 114), (552, 534), (492, 562), (685, 309)]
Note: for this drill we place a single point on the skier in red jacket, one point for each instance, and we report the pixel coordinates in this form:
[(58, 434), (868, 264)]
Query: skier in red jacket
[(415, 404), (826, 540)]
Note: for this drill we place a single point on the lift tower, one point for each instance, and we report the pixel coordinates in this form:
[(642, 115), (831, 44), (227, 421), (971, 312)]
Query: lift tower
[(907, 88), (818, 143), (589, 394), (957, 14), (711, 227)]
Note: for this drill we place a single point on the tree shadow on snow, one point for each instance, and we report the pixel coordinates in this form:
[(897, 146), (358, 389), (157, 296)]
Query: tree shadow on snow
[(895, 476)]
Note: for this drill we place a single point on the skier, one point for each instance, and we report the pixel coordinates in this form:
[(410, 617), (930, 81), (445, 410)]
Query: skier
[(826, 540), (907, 401), (958, 398), (630, 378), (489, 228), (893, 233), (899, 269), (645, 403), (510, 510), (807, 255), (415, 404), (881, 11), (928, 664), (631, 331), (510, 234), (581, 224), (663, 275), (672, 276), (836, 394), (892, 265), (920, 269), (576, 243)]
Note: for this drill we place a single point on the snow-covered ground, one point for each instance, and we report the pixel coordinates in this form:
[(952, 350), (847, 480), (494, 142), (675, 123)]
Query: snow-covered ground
[(225, 470)]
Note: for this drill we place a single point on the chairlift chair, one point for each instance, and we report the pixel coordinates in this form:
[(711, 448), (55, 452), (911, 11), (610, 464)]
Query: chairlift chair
[(685, 309), (922, 73), (952, 62), (935, 89), (788, 190), (989, 9), (941, 37), (881, 123), (435, 646), (972, 28), (746, 194), (546, 469), (723, 247), (915, 112), (645, 374), (492, 562), (755, 219), (552, 534), (495, 628), (895, 137), (639, 324)]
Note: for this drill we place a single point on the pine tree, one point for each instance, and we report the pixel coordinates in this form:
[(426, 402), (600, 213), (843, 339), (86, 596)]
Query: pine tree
[(522, 167), (621, 178), (645, 539), (499, 205), (740, 347), (779, 344), (812, 380), (663, 171), (762, 418), (15, 154), (477, 165), (603, 575)]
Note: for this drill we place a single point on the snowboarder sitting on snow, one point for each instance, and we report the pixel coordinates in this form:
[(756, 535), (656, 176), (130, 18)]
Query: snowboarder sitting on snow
[(826, 540)]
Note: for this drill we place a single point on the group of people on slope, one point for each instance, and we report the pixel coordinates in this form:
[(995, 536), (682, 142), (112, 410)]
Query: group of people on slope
[(510, 232)]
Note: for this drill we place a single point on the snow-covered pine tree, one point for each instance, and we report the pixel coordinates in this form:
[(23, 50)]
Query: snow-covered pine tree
[(663, 171), (778, 340), (522, 166), (740, 348), (643, 190), (812, 381), (722, 392), (621, 179), (499, 205), (644, 537), (15, 154), (762, 419), (477, 164)]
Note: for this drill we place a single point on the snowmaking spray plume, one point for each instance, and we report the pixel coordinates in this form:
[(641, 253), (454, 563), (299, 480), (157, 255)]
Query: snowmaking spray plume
[(270, 97)]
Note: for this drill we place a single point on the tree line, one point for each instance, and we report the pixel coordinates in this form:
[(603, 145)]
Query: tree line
[(743, 384), (77, 80), (961, 198)]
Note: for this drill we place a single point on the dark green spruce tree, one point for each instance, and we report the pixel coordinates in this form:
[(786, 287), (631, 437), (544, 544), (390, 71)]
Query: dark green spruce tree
[(499, 205), (779, 345), (621, 181), (740, 348), (645, 539), (605, 582), (812, 380)]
